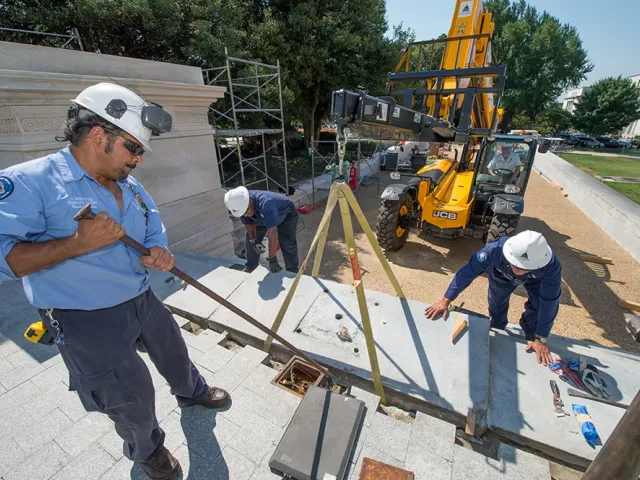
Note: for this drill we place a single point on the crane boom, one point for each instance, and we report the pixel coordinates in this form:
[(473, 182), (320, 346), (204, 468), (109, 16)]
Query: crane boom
[(449, 86)]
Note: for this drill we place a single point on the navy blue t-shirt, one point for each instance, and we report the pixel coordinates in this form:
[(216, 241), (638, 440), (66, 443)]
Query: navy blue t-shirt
[(271, 208)]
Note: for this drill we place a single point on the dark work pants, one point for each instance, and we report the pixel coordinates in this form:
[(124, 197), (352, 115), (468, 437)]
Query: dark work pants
[(500, 291), (286, 238), (110, 377)]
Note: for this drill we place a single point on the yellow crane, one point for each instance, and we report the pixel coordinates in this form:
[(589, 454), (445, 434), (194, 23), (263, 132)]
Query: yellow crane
[(447, 90)]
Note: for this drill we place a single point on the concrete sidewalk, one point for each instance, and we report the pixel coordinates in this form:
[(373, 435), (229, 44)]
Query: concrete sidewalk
[(46, 434)]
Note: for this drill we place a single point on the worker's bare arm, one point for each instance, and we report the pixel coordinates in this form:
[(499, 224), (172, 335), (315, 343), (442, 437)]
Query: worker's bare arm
[(92, 234), (272, 235), (251, 230)]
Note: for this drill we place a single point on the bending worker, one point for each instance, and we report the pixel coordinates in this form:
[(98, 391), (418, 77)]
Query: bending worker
[(92, 291), (269, 214), (525, 259)]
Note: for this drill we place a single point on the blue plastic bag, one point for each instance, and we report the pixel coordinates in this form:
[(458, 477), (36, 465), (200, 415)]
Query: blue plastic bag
[(588, 428)]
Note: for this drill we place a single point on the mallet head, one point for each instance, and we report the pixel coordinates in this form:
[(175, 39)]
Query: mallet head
[(84, 212)]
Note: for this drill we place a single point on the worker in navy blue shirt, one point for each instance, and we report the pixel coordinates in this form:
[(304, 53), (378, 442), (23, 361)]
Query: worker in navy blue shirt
[(525, 259), (269, 214), (92, 291)]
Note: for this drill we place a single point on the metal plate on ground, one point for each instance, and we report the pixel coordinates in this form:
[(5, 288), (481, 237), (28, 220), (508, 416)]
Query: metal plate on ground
[(318, 442), (374, 470)]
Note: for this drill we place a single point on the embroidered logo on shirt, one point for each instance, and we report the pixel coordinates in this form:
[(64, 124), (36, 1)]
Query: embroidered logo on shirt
[(6, 187), (79, 202), (482, 257)]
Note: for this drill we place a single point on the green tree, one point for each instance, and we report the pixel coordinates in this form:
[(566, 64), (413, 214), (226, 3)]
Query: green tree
[(543, 57), (194, 32), (608, 106), (553, 119), (325, 46)]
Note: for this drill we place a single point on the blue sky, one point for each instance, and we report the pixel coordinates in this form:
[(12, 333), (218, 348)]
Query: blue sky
[(609, 29)]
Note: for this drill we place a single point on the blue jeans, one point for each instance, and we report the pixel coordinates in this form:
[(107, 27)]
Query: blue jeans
[(286, 238), (100, 352), (500, 290)]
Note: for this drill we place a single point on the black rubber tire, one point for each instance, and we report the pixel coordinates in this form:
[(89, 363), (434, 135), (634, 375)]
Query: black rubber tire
[(387, 222), (502, 226)]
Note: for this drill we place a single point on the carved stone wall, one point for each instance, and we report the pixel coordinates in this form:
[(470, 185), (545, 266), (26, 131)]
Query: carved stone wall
[(36, 84)]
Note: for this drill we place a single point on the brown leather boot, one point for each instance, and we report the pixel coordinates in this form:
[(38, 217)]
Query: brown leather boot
[(162, 465), (215, 398)]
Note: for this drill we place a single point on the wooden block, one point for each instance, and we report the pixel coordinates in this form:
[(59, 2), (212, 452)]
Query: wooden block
[(470, 426), (459, 326), (630, 305), (596, 259)]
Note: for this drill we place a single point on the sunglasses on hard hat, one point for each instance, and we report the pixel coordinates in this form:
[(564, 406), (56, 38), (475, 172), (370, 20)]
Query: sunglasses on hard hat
[(134, 148)]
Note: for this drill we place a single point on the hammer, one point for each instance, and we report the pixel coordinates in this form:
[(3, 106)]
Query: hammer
[(86, 213)]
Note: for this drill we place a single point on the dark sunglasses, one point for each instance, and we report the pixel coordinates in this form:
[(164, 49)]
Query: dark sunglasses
[(134, 148)]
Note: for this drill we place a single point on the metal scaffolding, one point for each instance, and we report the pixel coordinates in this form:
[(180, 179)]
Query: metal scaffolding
[(245, 95), (74, 36)]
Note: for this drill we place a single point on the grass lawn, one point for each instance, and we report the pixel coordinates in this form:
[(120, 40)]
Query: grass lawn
[(610, 166), (629, 190)]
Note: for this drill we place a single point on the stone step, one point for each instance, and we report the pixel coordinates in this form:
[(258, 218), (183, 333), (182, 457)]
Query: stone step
[(511, 464)]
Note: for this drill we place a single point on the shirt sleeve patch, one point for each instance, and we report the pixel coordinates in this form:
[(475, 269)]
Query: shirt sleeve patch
[(6, 187), (482, 257)]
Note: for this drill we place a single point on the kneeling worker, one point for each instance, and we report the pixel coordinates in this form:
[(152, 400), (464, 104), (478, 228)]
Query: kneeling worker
[(525, 259), (266, 213)]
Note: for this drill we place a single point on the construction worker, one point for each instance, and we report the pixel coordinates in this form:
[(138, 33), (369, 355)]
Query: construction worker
[(525, 259), (507, 159), (91, 290), (269, 214)]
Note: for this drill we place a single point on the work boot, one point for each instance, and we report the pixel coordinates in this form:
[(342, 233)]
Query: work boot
[(214, 398), (162, 465)]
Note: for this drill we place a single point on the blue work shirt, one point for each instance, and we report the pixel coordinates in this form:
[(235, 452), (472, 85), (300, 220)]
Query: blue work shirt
[(547, 280), (271, 208), (38, 200)]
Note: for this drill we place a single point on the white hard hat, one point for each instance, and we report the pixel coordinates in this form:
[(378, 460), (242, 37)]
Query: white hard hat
[(527, 250), (237, 201), (126, 110)]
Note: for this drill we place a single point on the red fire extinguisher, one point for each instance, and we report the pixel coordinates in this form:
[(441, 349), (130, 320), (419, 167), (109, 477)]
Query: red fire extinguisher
[(353, 175)]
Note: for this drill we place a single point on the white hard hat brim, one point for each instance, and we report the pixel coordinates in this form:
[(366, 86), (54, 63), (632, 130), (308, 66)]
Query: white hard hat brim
[(523, 264)]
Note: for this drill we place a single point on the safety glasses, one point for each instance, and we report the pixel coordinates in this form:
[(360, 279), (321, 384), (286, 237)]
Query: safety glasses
[(134, 148)]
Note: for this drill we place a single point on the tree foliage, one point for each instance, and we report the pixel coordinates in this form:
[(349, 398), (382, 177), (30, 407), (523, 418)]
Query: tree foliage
[(608, 106), (553, 119), (543, 56)]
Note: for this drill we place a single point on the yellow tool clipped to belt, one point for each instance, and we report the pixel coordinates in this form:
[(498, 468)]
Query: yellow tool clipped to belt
[(38, 333)]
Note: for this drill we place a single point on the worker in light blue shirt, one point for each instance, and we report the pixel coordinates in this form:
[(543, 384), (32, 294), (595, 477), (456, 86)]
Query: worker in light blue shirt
[(525, 259), (269, 214), (92, 291)]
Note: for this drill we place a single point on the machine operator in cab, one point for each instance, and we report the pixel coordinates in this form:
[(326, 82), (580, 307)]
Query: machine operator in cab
[(506, 159)]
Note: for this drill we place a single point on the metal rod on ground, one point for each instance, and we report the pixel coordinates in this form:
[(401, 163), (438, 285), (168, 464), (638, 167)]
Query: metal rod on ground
[(85, 212), (619, 458)]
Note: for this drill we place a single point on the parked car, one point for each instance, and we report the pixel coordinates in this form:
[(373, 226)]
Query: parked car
[(609, 142), (588, 142), (628, 144)]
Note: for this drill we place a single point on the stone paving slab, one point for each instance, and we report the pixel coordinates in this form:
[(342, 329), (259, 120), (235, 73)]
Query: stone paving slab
[(521, 399), (261, 295), (209, 271), (512, 464)]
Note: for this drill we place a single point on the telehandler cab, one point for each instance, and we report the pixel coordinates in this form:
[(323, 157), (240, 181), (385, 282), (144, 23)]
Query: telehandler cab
[(449, 198)]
